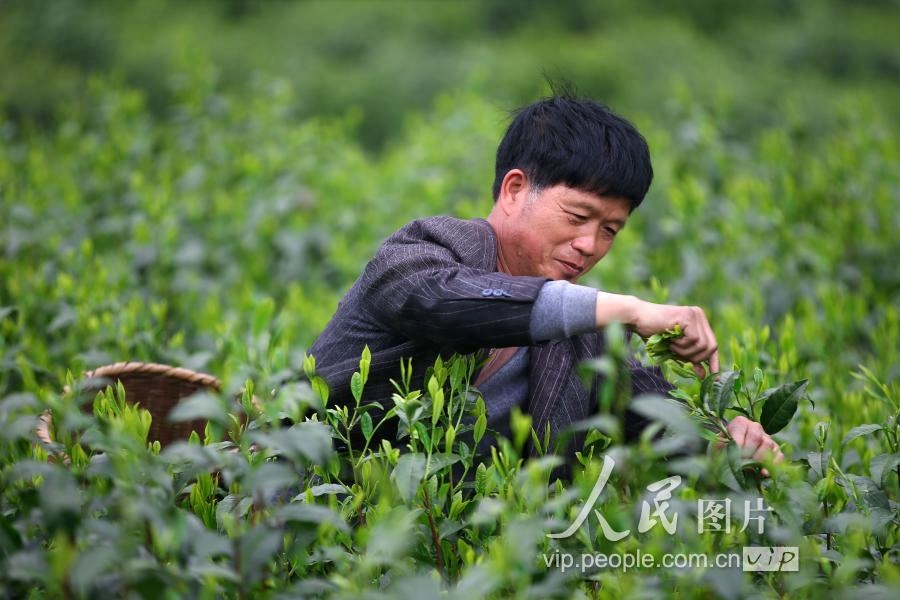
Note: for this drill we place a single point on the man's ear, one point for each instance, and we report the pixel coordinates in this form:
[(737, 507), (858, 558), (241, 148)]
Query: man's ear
[(514, 190)]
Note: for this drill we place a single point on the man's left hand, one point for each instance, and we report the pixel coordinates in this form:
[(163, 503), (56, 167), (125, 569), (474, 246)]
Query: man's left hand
[(754, 442)]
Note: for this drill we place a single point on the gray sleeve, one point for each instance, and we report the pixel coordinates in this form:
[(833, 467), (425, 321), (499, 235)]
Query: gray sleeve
[(563, 309)]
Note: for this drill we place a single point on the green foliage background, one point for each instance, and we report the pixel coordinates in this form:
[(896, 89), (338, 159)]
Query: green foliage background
[(197, 183)]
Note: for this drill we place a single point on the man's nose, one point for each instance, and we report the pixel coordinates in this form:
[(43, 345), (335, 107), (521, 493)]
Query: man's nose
[(585, 244)]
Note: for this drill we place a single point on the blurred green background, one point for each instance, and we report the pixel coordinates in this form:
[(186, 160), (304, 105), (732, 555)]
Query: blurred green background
[(382, 60)]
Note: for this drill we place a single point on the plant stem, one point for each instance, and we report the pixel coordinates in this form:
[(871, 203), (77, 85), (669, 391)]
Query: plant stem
[(434, 534)]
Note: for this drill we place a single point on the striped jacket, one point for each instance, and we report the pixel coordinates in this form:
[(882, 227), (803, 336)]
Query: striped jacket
[(432, 289)]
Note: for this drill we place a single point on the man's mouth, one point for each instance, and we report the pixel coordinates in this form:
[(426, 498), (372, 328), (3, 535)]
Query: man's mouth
[(570, 269)]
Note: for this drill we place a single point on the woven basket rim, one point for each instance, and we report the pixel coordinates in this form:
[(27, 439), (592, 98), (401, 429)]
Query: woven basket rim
[(137, 367)]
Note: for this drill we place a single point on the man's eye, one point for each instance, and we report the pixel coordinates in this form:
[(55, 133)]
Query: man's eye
[(611, 232), (577, 218)]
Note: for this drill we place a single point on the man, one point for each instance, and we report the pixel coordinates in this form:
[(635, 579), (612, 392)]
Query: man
[(569, 173)]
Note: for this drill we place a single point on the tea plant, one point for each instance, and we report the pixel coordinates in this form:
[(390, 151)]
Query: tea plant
[(297, 509), (221, 236)]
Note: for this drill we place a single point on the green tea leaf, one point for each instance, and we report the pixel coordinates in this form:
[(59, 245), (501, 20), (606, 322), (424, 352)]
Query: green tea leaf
[(884, 468), (310, 513), (480, 479), (437, 406), (320, 387), (408, 474), (423, 433), (780, 405), (262, 316), (309, 365), (328, 488), (668, 412), (308, 440), (268, 479), (256, 547), (658, 345), (449, 437), (439, 461), (682, 369), (365, 424), (10, 539), (356, 386), (869, 491), (723, 392), (199, 406), (91, 564), (364, 362), (859, 431), (480, 427), (818, 463)]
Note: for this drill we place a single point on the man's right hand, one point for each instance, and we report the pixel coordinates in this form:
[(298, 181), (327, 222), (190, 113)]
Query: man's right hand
[(646, 318)]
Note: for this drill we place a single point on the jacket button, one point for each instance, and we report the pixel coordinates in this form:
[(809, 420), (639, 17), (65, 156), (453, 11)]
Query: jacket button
[(486, 292), (498, 293)]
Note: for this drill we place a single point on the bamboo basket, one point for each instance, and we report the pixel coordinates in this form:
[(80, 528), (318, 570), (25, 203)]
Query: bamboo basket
[(156, 387)]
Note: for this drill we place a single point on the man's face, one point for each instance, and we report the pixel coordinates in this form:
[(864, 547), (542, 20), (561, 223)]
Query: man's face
[(558, 232)]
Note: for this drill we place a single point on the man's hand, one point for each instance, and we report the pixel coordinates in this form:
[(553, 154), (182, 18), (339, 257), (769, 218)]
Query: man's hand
[(646, 318), (753, 441)]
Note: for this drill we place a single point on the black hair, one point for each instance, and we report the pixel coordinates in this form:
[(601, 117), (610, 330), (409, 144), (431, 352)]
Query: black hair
[(578, 143)]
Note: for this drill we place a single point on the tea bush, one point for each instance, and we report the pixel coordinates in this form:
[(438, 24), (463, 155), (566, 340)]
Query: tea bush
[(386, 59), (220, 237)]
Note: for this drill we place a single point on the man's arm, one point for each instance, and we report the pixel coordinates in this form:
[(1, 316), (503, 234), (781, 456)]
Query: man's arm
[(564, 309), (435, 282), (698, 344), (646, 318)]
